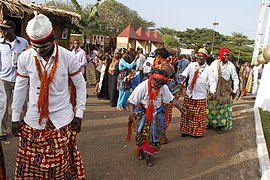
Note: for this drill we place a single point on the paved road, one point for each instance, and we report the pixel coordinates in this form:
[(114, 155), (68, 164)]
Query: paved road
[(106, 154)]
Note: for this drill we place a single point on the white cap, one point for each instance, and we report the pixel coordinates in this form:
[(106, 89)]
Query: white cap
[(39, 28)]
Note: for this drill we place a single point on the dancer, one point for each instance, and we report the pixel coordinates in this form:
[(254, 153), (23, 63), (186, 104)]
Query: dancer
[(147, 114)]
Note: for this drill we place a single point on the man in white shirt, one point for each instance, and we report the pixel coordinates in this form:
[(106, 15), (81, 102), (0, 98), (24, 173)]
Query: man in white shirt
[(148, 65), (81, 55), (220, 106), (10, 48), (139, 63), (47, 134), (193, 117)]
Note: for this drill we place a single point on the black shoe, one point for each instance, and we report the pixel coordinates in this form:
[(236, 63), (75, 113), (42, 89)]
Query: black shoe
[(149, 160), (3, 137)]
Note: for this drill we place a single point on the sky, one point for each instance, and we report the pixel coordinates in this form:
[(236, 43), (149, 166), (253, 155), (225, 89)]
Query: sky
[(239, 16)]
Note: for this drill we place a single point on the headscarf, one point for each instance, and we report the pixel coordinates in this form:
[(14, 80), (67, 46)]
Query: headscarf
[(221, 53)]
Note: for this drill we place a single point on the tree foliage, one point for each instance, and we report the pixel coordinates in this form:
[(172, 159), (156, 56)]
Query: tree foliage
[(108, 18), (115, 16), (171, 40), (68, 6), (239, 44), (111, 17)]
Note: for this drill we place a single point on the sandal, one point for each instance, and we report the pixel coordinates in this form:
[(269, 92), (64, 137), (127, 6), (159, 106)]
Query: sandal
[(140, 156), (119, 109), (164, 140), (149, 160), (220, 130)]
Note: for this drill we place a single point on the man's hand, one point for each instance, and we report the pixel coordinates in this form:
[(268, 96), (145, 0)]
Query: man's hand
[(16, 129), (76, 124)]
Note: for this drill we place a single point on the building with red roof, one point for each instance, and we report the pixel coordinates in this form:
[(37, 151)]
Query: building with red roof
[(156, 41), (142, 40), (127, 38), (149, 41)]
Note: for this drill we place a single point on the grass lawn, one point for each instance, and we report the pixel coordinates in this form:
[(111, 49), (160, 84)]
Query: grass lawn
[(265, 118)]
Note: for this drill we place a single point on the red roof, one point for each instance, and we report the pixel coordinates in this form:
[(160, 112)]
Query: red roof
[(157, 37), (128, 32), (141, 34), (150, 35)]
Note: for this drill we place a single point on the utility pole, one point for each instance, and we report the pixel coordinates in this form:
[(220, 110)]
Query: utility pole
[(215, 23), (259, 31)]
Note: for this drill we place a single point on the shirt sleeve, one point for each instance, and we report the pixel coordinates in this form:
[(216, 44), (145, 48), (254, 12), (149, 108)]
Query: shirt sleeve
[(20, 90), (80, 87), (167, 95), (212, 81), (123, 64), (2, 100), (186, 71), (83, 59), (235, 79)]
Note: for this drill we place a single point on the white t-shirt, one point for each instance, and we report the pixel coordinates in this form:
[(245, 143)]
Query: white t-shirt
[(140, 95)]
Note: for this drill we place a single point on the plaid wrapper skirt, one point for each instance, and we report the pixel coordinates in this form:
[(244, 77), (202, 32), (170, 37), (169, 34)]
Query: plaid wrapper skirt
[(48, 154), (194, 121)]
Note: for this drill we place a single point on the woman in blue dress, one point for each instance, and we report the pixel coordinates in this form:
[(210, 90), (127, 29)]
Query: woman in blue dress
[(123, 81)]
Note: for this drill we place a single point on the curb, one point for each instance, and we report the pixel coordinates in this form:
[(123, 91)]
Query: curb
[(261, 147)]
